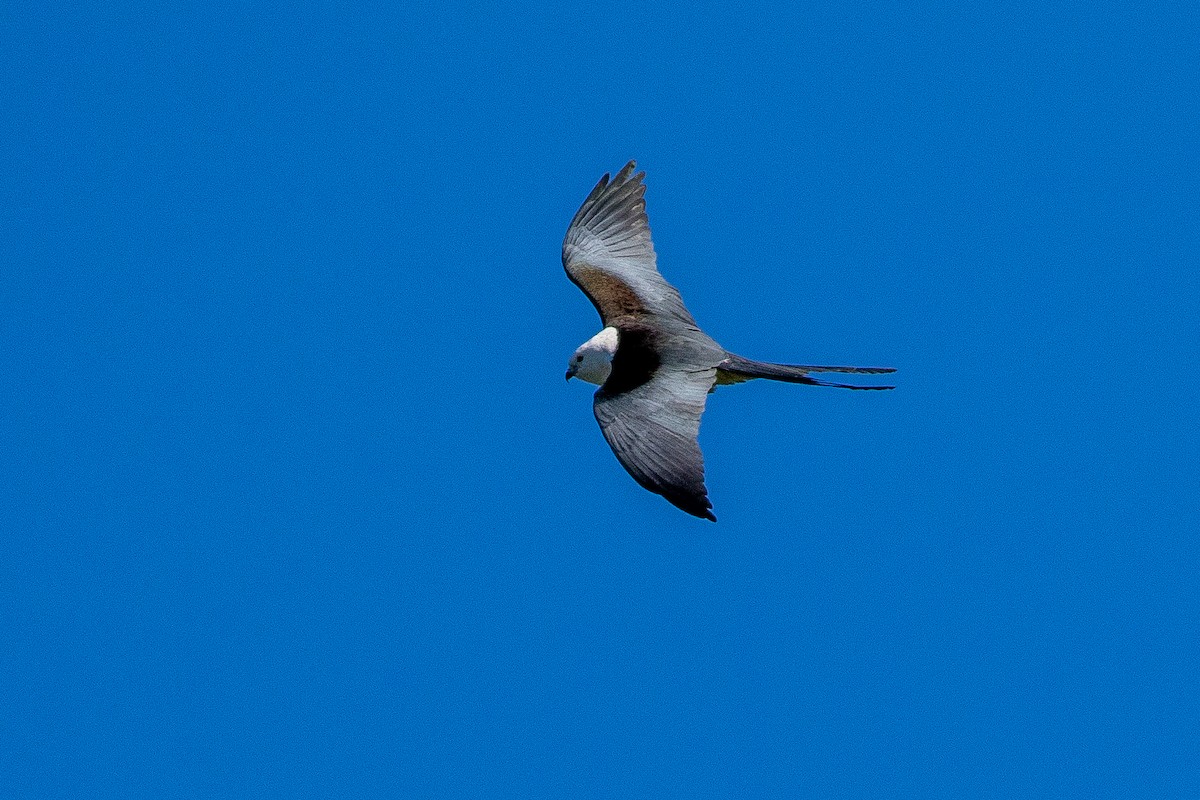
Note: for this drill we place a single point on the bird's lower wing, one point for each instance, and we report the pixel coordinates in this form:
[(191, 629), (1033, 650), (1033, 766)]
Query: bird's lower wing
[(653, 431)]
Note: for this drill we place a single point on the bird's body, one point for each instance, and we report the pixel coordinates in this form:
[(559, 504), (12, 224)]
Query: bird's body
[(654, 365)]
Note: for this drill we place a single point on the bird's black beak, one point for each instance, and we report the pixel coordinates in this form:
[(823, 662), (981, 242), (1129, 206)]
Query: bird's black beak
[(570, 374)]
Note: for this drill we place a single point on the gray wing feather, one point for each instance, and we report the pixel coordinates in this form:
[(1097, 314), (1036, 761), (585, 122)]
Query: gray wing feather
[(608, 253), (653, 431)]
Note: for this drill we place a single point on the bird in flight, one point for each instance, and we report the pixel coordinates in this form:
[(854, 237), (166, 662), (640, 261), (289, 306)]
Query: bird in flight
[(654, 366)]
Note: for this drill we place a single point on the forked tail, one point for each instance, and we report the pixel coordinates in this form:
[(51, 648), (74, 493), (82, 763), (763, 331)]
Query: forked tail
[(736, 369)]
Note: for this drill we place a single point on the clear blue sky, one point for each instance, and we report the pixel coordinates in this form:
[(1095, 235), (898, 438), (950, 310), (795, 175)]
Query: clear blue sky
[(296, 502)]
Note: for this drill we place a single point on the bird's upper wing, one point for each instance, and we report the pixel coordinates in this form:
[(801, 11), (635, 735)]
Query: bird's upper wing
[(608, 254), (649, 410)]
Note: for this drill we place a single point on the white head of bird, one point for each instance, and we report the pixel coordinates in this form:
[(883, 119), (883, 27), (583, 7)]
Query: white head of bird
[(592, 361)]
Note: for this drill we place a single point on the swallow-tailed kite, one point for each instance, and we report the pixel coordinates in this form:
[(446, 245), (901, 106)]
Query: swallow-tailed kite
[(654, 365)]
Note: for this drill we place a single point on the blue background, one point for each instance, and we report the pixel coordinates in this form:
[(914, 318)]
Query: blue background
[(297, 504)]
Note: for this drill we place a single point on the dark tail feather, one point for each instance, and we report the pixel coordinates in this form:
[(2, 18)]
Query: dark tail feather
[(815, 382), (746, 369), (858, 370)]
